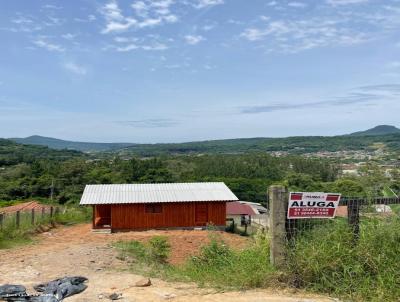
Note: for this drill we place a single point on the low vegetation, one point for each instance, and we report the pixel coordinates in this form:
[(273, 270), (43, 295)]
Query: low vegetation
[(326, 259), (11, 235)]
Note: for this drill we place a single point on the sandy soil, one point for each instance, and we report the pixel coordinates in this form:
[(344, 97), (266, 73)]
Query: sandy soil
[(69, 251)]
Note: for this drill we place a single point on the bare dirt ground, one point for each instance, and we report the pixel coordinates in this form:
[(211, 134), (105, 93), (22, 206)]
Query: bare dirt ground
[(75, 250)]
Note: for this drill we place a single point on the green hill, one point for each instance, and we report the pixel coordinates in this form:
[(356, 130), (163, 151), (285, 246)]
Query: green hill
[(389, 136), (378, 130), (64, 144), (12, 153)]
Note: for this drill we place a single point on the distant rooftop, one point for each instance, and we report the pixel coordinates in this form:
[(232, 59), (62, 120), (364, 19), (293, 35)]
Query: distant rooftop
[(237, 208)]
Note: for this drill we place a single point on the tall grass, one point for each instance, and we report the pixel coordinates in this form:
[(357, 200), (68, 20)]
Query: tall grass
[(220, 266), (10, 235), (327, 259)]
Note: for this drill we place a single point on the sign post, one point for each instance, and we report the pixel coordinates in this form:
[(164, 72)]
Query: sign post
[(312, 205)]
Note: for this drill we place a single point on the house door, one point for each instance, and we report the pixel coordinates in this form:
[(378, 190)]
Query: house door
[(201, 214), (102, 216)]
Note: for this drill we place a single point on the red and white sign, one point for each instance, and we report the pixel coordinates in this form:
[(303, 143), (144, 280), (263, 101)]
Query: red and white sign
[(312, 205)]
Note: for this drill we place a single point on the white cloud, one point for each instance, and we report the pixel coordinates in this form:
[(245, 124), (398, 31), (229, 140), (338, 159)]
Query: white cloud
[(75, 68), (194, 39), (208, 3), (48, 46), (112, 11), (68, 36), (254, 34), (297, 4), (290, 36), (394, 64), (146, 14), (345, 2), (127, 48), (22, 20), (89, 18), (134, 44), (119, 26), (125, 39), (208, 27), (155, 46), (50, 6)]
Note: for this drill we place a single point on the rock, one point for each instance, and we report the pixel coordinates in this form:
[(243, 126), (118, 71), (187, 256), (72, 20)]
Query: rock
[(143, 282), (115, 296)]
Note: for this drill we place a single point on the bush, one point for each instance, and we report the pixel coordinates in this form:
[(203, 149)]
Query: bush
[(159, 249), (218, 265), (155, 252)]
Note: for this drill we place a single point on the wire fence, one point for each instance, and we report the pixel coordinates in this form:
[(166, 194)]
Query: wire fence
[(27, 217), (353, 212)]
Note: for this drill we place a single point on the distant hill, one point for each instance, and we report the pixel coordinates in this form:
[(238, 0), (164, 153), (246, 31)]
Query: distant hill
[(387, 135), (71, 145), (378, 130), (12, 153)]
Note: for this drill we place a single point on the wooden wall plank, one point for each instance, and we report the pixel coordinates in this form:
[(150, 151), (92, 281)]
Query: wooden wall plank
[(133, 216)]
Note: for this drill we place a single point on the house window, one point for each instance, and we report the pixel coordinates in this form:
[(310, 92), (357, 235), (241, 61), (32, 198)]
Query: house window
[(153, 208)]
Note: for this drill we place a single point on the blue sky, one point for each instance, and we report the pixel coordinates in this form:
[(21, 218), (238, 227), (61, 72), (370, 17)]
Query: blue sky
[(184, 70)]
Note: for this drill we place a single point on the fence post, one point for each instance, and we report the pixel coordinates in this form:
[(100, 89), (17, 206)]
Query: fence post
[(278, 204), (353, 217), (33, 217), (1, 221), (17, 219), (51, 212)]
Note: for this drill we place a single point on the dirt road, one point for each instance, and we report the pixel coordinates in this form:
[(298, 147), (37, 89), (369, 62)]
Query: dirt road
[(77, 251)]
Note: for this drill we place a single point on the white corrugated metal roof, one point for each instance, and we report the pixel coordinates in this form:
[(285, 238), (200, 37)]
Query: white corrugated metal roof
[(150, 193)]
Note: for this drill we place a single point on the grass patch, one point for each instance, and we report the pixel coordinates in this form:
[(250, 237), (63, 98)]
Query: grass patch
[(216, 265), (149, 258), (11, 236), (220, 266)]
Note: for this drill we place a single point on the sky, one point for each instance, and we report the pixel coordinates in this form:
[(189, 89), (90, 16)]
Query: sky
[(186, 70)]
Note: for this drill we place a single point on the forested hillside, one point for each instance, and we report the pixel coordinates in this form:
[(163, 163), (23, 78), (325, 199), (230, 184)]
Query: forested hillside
[(29, 171), (12, 153), (292, 145), (63, 144)]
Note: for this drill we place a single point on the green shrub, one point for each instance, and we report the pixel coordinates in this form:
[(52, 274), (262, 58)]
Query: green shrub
[(154, 253), (132, 249), (159, 249), (218, 265)]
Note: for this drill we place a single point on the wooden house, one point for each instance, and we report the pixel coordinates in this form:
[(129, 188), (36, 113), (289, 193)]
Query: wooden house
[(149, 206)]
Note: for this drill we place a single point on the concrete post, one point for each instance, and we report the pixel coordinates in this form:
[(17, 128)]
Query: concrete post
[(278, 198), (17, 219)]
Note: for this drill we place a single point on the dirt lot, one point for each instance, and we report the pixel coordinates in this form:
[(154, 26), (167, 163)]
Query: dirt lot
[(77, 251)]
